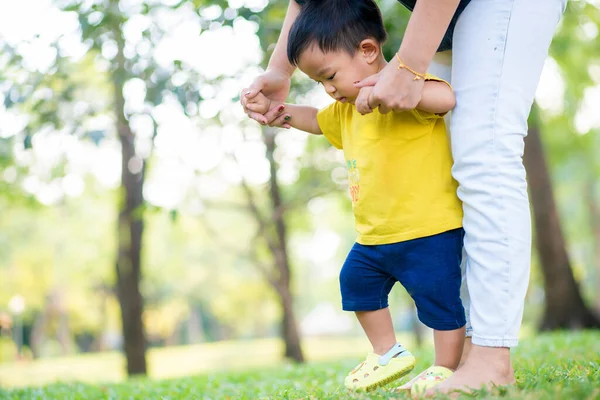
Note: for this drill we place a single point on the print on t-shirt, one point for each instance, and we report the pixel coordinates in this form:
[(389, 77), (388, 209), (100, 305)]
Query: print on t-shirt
[(354, 178)]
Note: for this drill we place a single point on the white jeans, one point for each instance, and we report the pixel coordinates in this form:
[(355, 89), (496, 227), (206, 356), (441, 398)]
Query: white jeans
[(497, 58)]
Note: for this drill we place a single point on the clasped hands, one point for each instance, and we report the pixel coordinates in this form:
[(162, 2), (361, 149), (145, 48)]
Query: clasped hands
[(391, 89)]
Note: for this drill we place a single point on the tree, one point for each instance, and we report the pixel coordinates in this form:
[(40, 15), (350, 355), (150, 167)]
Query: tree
[(281, 257), (594, 210), (564, 306), (103, 25), (115, 60), (130, 225), (272, 231), (572, 136)]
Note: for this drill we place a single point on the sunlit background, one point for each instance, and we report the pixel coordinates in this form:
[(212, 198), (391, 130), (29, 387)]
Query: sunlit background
[(211, 267)]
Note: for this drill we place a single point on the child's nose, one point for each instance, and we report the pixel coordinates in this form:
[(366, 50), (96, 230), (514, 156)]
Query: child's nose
[(329, 89)]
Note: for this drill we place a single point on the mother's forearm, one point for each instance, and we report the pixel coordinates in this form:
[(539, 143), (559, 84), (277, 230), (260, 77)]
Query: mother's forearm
[(425, 30), (279, 60)]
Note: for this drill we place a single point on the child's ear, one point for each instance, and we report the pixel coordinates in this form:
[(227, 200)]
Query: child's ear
[(369, 50)]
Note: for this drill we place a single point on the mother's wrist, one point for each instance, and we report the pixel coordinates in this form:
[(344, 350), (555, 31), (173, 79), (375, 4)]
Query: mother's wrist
[(416, 62), (401, 65)]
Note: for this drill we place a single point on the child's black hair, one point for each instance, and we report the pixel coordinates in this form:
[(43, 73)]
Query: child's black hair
[(334, 25)]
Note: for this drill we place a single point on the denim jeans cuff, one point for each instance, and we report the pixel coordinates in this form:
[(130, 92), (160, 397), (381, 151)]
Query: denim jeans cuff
[(494, 342)]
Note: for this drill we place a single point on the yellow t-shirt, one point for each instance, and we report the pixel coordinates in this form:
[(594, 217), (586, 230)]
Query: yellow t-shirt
[(399, 172)]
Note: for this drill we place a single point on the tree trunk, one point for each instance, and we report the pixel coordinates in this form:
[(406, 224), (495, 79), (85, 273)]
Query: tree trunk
[(130, 224), (289, 326), (38, 334), (594, 210), (564, 308)]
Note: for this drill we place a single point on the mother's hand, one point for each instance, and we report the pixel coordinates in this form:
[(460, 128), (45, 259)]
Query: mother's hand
[(273, 84), (393, 89)]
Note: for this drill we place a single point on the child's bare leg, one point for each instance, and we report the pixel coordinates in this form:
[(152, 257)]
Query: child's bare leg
[(388, 361), (448, 347), (379, 329), (448, 350)]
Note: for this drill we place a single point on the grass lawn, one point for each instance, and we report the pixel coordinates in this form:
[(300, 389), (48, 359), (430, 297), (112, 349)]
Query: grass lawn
[(557, 366)]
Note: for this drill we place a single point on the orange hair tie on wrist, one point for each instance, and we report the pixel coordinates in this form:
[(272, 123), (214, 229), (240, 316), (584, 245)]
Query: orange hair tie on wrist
[(417, 75)]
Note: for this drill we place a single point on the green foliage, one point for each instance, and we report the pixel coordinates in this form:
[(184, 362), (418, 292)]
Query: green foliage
[(52, 101), (572, 146), (8, 349), (558, 366), (47, 248), (395, 21)]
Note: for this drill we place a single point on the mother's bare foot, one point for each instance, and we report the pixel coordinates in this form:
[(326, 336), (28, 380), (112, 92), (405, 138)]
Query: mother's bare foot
[(485, 367), (408, 385)]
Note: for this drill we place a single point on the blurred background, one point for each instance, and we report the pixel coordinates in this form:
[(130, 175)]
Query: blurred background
[(149, 227)]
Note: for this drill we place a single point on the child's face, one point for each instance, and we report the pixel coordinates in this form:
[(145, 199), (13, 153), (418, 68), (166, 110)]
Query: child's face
[(337, 70)]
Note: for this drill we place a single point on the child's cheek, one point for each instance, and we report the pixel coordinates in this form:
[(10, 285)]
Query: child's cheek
[(353, 92)]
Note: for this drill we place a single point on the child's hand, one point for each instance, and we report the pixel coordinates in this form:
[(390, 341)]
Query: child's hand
[(282, 121), (259, 104), (362, 101)]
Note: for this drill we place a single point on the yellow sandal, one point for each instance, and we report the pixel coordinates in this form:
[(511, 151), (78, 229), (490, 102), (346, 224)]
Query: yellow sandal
[(378, 370), (429, 378)]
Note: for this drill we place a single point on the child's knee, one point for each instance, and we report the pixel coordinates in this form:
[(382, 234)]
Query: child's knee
[(441, 314)]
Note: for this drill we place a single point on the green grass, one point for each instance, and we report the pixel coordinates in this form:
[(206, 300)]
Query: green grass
[(174, 362), (557, 366)]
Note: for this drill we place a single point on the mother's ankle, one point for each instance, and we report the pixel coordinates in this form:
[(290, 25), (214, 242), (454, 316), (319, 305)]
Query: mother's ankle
[(497, 358)]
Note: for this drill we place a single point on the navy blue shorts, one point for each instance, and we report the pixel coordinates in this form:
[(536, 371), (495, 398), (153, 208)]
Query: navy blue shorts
[(428, 268)]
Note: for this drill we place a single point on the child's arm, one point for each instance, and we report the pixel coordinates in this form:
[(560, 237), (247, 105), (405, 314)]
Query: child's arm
[(437, 97), (299, 117)]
